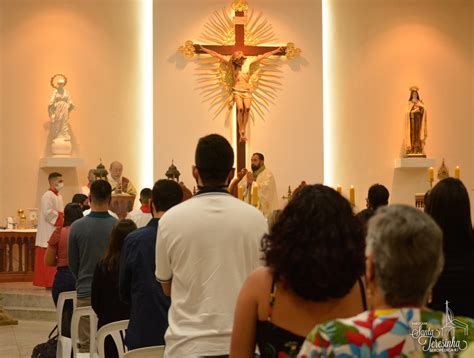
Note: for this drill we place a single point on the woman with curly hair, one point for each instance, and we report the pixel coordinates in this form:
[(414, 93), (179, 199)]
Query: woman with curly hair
[(314, 260)]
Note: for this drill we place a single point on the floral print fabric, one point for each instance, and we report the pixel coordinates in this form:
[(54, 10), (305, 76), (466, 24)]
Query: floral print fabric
[(407, 332)]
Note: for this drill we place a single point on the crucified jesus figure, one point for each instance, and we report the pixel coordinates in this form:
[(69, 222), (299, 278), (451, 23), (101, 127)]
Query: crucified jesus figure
[(239, 64)]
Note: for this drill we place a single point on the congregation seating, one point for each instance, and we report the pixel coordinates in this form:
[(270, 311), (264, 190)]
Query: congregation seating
[(155, 351), (76, 316), (117, 331), (64, 346)]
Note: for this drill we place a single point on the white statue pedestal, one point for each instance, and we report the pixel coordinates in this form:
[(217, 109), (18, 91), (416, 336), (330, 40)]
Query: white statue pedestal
[(410, 177), (61, 162), (415, 163), (61, 147)]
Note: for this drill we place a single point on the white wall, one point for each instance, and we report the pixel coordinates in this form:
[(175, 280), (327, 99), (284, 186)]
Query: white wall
[(290, 137), (95, 43), (380, 49)]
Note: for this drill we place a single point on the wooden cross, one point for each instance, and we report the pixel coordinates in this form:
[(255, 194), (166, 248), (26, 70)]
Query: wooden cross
[(239, 25)]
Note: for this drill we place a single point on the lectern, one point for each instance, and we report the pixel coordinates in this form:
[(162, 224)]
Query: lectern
[(122, 204)]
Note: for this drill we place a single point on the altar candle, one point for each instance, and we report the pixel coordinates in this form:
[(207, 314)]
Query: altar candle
[(352, 195), (431, 173), (255, 195), (457, 172), (240, 193), (339, 189)]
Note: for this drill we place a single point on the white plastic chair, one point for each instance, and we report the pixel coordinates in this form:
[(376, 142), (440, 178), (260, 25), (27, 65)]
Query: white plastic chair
[(64, 346), (147, 352), (76, 316), (117, 331)]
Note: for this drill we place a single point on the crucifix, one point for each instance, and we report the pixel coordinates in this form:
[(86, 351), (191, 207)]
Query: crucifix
[(238, 51), (240, 76)]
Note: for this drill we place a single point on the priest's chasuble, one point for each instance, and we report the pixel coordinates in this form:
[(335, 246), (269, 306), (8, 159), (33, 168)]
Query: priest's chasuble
[(127, 186), (267, 192)]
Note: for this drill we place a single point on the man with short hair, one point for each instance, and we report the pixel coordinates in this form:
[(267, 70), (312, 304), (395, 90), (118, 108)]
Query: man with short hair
[(82, 200), (138, 286), (88, 239), (142, 215), (119, 183), (376, 197), (205, 249), (264, 180), (51, 216)]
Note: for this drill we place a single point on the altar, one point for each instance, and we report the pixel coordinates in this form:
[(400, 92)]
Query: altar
[(17, 255)]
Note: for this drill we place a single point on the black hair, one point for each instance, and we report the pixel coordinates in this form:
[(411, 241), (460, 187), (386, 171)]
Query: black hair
[(101, 191), (54, 175), (72, 212), (378, 196), (448, 204), (316, 247), (166, 194), (259, 155), (79, 198), (145, 194), (214, 159)]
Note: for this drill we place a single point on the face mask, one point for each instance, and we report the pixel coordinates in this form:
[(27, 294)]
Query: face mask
[(59, 186)]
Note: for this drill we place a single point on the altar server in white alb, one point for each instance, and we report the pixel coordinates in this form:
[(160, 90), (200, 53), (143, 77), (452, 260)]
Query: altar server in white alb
[(51, 216), (142, 216), (266, 187)]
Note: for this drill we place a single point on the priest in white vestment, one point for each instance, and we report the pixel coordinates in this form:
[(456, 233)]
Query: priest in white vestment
[(267, 191), (50, 217)]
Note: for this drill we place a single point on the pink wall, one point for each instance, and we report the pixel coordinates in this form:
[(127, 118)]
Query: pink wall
[(380, 49), (95, 44)]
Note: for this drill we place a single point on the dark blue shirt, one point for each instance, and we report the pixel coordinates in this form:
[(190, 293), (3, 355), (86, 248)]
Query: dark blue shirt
[(138, 286)]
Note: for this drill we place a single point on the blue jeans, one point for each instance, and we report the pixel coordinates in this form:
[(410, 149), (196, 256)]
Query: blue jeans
[(64, 281)]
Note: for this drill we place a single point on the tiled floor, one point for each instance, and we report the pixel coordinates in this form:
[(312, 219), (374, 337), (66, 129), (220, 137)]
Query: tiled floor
[(24, 287), (18, 341)]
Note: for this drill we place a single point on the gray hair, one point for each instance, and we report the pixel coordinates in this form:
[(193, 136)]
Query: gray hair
[(407, 250)]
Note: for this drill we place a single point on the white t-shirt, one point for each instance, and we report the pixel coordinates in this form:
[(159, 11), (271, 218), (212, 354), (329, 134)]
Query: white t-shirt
[(140, 218), (207, 246)]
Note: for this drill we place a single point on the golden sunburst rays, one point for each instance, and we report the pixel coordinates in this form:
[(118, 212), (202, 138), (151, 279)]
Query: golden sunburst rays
[(258, 31), (220, 29), (214, 77)]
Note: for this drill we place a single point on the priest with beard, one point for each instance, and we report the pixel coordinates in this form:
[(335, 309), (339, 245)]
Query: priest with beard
[(265, 182)]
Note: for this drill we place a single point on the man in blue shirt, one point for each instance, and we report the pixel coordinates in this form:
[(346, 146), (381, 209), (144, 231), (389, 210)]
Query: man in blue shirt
[(138, 285), (88, 240)]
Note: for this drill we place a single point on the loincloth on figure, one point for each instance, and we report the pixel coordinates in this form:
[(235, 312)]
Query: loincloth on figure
[(242, 93)]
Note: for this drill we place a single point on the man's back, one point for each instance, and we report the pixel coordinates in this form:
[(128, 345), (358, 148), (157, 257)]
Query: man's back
[(138, 285), (207, 245), (88, 240)]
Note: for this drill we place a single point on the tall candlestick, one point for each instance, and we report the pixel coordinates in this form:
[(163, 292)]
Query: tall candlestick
[(255, 195), (339, 189), (431, 176), (240, 192), (457, 172), (352, 195)]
